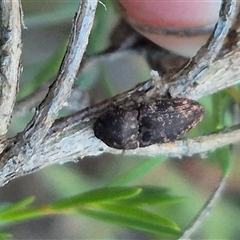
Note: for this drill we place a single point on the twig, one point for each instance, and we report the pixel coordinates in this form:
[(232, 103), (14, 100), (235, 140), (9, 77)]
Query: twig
[(224, 72), (78, 142), (153, 89), (77, 101), (184, 79), (72, 137), (26, 143), (11, 50), (61, 88), (198, 65), (205, 211)]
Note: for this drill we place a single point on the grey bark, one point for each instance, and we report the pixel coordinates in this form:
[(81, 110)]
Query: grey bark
[(46, 141)]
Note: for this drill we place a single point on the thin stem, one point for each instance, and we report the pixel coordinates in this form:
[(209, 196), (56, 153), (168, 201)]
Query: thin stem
[(205, 211), (11, 50)]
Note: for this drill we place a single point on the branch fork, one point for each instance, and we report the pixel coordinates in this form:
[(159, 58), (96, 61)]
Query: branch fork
[(46, 140)]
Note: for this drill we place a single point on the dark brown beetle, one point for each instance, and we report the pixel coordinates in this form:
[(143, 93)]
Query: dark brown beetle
[(161, 121)]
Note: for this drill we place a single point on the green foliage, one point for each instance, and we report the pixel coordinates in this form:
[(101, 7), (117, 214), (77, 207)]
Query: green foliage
[(138, 171), (222, 157), (137, 207), (217, 117), (5, 236), (135, 220), (96, 196), (12, 208), (117, 205)]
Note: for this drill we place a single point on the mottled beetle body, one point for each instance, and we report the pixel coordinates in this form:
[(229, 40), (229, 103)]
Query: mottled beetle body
[(161, 121), (118, 128), (166, 120)]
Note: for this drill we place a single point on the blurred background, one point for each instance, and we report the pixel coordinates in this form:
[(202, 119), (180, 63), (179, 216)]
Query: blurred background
[(48, 26)]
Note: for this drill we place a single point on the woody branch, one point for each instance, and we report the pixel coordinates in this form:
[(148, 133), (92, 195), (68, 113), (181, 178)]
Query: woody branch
[(71, 138)]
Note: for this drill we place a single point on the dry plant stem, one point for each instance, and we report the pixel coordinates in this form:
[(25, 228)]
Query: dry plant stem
[(26, 143), (72, 137), (11, 50), (224, 72), (68, 146), (205, 211), (185, 79), (90, 146), (182, 82), (61, 88)]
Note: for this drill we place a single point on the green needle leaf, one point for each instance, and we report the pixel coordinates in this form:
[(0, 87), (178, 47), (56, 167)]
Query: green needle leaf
[(130, 222), (138, 214), (17, 206), (98, 195), (152, 195)]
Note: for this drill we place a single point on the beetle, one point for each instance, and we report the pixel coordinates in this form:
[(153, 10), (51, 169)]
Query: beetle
[(159, 121)]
